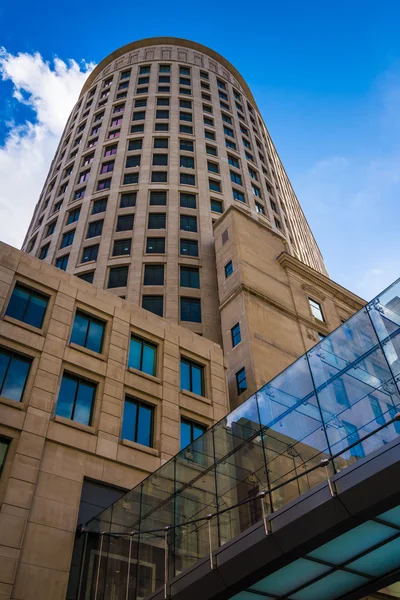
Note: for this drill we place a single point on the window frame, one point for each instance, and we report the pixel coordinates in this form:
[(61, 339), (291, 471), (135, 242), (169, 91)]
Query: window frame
[(139, 403)]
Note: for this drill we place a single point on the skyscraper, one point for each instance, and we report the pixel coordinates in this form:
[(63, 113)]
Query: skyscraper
[(164, 138)]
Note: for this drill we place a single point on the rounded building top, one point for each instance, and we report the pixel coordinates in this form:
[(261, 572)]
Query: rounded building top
[(174, 42)]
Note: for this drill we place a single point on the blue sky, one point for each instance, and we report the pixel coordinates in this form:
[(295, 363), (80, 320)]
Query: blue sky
[(326, 77)]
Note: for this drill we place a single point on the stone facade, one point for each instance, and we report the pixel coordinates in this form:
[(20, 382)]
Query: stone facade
[(268, 294), (49, 456), (162, 116)]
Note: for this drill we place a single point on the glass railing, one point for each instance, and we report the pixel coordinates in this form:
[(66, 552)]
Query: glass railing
[(332, 407)]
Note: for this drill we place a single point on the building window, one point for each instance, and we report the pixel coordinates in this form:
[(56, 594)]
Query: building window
[(210, 135), (156, 221), (187, 162), (211, 150), (353, 437), (99, 206), (105, 184), (127, 200), (241, 381), (186, 145), (142, 355), (256, 191), (158, 198), (62, 262), (154, 304), (377, 410), (135, 145), (90, 253), (14, 371), (230, 144), (189, 248), (88, 276), (88, 332), (109, 150), (4, 445), (159, 177), (139, 115), (76, 399), (162, 114), (217, 206), (236, 335), (186, 129), (136, 128), (50, 228), (163, 101), (186, 179), (137, 424), (132, 161), (191, 310), (153, 275), (118, 277), (67, 239), (79, 194), (95, 228), (190, 277), (187, 200), (228, 131), (122, 247), (238, 195), (160, 160), (125, 222), (316, 309), (155, 245), (192, 376), (131, 178), (190, 431), (165, 69), (208, 121), (44, 251), (145, 69), (228, 268), (160, 142), (161, 127), (236, 178), (260, 209), (27, 305), (188, 223)]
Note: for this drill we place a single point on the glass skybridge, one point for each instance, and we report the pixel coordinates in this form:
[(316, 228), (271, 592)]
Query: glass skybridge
[(331, 408)]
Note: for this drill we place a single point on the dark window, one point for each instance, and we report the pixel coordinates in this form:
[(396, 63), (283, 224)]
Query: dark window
[(73, 216), (208, 121), (27, 305), (190, 431), (189, 248), (188, 200), (228, 269), (4, 445), (236, 178), (125, 74), (143, 80), (225, 236), (127, 200), (135, 144), (88, 332), (137, 128), (88, 276), (67, 239), (230, 144), (217, 206), (145, 69), (50, 228), (215, 186), (155, 245), (160, 142), (185, 116), (163, 101), (159, 176), (132, 161), (140, 102), (212, 167), (104, 184), (131, 178), (158, 198), (238, 195), (125, 222), (62, 262), (236, 336), (186, 129), (76, 399), (139, 115), (122, 247), (185, 103), (160, 159), (118, 277), (99, 206), (186, 91), (192, 376), (137, 424), (156, 221), (163, 89), (211, 150), (110, 150), (153, 275), (186, 145), (186, 179), (90, 253), (184, 70), (241, 381), (165, 68), (188, 223), (191, 310), (187, 162), (95, 229), (209, 135), (161, 127), (162, 114), (14, 371), (233, 161), (190, 277), (184, 80), (44, 251), (154, 304)]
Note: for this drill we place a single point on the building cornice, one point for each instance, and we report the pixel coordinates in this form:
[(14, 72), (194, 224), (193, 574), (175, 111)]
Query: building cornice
[(171, 41)]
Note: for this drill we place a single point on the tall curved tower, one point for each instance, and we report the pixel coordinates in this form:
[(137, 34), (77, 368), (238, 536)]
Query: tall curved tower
[(165, 136)]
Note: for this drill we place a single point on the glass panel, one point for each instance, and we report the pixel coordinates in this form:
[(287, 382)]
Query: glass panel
[(4, 361), (66, 397), (84, 403), (35, 311), (350, 544), (330, 587), (186, 437), (380, 561), (129, 421), (135, 354), (18, 303), (145, 426), (391, 516), (149, 355), (95, 336), (291, 577), (197, 380), (15, 379), (79, 330), (185, 375)]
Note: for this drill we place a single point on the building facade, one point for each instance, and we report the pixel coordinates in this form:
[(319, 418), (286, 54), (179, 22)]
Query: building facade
[(165, 136)]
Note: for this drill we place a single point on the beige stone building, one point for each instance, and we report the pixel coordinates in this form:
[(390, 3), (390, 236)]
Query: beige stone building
[(166, 194)]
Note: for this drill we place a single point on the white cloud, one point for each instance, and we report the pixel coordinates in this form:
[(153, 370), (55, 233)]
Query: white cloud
[(51, 91)]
